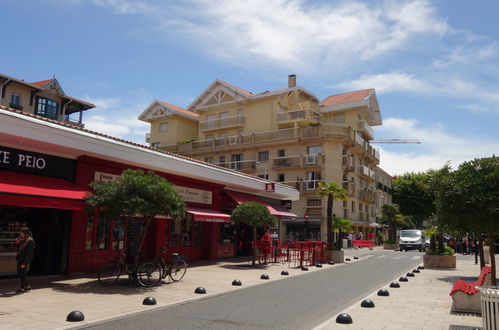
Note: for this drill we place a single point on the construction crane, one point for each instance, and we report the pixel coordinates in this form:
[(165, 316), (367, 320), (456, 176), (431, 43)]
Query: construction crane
[(393, 141)]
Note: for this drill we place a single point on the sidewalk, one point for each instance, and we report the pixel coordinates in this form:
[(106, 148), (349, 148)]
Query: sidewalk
[(421, 303)]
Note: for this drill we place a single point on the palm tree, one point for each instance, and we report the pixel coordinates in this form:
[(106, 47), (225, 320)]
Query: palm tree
[(333, 192), (390, 213), (341, 225)]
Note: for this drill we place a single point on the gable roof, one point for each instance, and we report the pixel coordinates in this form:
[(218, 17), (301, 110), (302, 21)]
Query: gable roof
[(348, 97), (149, 114), (42, 83)]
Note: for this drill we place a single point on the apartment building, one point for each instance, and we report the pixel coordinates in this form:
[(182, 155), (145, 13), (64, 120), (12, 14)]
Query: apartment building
[(45, 98), (289, 136)]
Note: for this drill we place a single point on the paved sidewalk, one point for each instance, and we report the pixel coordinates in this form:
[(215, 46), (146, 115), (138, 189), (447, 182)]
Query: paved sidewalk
[(421, 303)]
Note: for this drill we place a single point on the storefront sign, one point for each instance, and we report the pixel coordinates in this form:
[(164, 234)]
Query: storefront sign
[(188, 194), (36, 163)]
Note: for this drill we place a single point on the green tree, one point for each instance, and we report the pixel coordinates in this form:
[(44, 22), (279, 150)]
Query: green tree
[(390, 214), (332, 192), (341, 225), (414, 195), (253, 214), (136, 194), (468, 199)]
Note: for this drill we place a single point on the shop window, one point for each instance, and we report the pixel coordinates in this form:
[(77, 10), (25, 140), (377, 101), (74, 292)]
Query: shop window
[(134, 235), (102, 233), (119, 233), (174, 235), (46, 107), (191, 232), (90, 233), (226, 233)]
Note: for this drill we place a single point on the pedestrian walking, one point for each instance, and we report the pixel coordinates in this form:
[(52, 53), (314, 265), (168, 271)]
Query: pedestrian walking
[(350, 238), (25, 249)]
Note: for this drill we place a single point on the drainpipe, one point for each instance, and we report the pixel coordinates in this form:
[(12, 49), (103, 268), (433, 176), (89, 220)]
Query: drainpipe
[(1, 89)]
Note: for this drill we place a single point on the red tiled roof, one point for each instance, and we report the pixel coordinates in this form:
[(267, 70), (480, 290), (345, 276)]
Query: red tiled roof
[(179, 109), (346, 97), (42, 83)]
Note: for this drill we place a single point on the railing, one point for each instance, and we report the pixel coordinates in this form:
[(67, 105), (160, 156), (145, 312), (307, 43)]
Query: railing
[(312, 159), (347, 162), (241, 165), (303, 185), (296, 115), (349, 186), (364, 127), (230, 121), (366, 194), (364, 170), (286, 161)]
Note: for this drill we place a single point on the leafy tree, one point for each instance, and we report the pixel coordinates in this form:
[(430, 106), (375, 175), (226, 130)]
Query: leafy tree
[(136, 194), (390, 214), (468, 199), (415, 197), (253, 214), (332, 192), (341, 225)]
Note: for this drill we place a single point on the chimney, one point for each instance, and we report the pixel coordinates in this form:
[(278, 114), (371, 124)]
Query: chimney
[(291, 80)]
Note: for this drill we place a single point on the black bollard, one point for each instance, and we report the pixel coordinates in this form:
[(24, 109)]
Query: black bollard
[(75, 316), (200, 290), (149, 301), (356, 257), (237, 283), (367, 303), (403, 279), (304, 268), (344, 318), (318, 265), (331, 262), (410, 274), (415, 270), (394, 285), (285, 273), (264, 277), (383, 293)]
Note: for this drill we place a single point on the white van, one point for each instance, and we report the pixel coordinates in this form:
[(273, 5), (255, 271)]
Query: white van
[(411, 239)]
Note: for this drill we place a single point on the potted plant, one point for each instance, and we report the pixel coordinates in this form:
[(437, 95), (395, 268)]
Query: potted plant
[(390, 244), (439, 254)]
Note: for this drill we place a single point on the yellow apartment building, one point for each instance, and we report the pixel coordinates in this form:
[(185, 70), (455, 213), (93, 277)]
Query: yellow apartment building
[(286, 135), (45, 98)]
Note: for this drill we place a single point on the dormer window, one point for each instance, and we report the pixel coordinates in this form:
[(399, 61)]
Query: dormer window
[(46, 107), (15, 102)]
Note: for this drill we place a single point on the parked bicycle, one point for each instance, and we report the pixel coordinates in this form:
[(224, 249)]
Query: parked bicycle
[(146, 273), (171, 264)]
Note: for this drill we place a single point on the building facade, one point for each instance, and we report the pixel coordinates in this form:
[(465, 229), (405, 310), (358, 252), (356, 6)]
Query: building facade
[(289, 136), (44, 98)]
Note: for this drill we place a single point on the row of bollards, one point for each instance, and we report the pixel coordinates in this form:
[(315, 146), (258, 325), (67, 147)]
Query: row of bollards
[(344, 318), (77, 316)]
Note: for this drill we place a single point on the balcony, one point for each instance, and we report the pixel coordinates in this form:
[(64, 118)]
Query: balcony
[(347, 163), (287, 162), (312, 160), (148, 137), (365, 129), (300, 117), (242, 165), (366, 195), (349, 187), (303, 185), (221, 123), (365, 171)]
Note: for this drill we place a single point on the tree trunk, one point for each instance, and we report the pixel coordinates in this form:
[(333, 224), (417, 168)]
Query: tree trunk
[(480, 250), (490, 236), (144, 233), (392, 231), (329, 219), (340, 240), (254, 247)]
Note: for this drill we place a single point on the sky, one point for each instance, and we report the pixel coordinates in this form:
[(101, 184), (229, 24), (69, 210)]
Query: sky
[(434, 64)]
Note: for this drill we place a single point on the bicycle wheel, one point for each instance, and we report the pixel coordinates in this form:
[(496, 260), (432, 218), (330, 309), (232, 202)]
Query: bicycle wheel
[(109, 273), (149, 273), (177, 270)]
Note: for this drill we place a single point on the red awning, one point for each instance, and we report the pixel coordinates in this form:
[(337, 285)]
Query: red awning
[(207, 215), (29, 190), (275, 210)]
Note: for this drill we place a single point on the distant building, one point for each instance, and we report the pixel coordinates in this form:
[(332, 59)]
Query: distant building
[(289, 136), (45, 98)]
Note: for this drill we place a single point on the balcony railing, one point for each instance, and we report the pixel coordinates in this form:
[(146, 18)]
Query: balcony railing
[(286, 161), (242, 165), (303, 185), (364, 170), (365, 129), (347, 162), (298, 115), (349, 187), (366, 194), (225, 122)]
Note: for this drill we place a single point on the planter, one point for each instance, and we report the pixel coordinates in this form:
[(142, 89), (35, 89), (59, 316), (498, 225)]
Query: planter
[(336, 256), (387, 246), (438, 261)]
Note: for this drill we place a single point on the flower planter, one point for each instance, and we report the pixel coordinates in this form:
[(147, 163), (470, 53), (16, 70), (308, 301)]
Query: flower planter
[(387, 246), (439, 261), (336, 256)]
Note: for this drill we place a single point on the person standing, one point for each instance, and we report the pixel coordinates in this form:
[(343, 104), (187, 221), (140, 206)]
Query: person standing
[(266, 244), (350, 238), (25, 249)]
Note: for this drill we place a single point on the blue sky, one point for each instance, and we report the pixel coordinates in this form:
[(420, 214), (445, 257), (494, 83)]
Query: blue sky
[(434, 64)]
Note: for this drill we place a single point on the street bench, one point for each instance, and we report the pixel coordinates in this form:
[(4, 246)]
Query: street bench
[(360, 243), (465, 294)]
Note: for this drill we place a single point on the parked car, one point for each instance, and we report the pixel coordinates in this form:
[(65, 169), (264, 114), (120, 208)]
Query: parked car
[(412, 239)]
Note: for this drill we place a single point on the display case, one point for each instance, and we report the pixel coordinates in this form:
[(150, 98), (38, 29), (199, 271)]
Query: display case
[(8, 251)]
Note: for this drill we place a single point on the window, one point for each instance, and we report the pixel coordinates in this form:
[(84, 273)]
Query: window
[(280, 177), (339, 118), (46, 107), (236, 161), (224, 121), (281, 153), (15, 102), (263, 156), (163, 127), (353, 206), (314, 206), (119, 233), (223, 135), (208, 159), (102, 233), (210, 136), (174, 233), (226, 233), (222, 160), (211, 121), (311, 182), (90, 232), (314, 150), (155, 144), (263, 176), (191, 232)]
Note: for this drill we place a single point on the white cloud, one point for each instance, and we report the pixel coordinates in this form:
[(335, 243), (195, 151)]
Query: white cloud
[(118, 117), (438, 147)]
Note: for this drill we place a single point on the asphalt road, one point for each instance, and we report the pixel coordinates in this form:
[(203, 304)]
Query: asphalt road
[(301, 302)]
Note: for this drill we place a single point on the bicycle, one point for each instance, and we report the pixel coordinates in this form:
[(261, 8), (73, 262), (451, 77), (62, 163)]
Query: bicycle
[(171, 264), (146, 273)]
